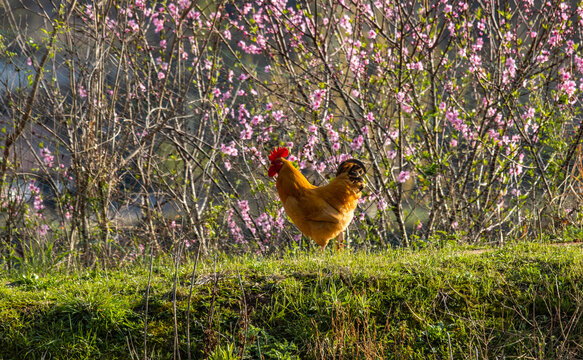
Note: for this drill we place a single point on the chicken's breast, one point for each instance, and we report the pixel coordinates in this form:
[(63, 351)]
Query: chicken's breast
[(317, 218)]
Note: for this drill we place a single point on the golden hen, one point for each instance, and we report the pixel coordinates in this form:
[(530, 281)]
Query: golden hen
[(321, 213)]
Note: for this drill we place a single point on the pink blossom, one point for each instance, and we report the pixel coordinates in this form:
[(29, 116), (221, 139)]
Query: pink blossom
[(515, 169), (184, 4), (555, 38), (569, 87), (257, 119), (82, 91), (453, 117), (89, 11), (345, 24), (372, 34), (233, 227), (570, 47), (451, 28), (463, 52), (579, 63), (249, 49), (243, 113), (317, 97), (565, 75), (260, 40), (529, 114), (403, 176), (47, 156), (415, 66), (43, 229), (229, 149), (357, 143), (247, 133), (132, 26), (244, 207), (33, 188), (158, 23), (515, 192), (278, 116), (543, 57), (161, 75), (38, 203), (264, 221), (476, 60), (312, 140), (370, 117), (510, 71), (382, 204)]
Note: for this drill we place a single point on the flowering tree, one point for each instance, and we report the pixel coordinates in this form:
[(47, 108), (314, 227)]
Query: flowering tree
[(148, 119), (466, 112)]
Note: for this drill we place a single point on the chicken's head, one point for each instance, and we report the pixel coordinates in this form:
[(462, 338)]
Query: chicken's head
[(275, 157)]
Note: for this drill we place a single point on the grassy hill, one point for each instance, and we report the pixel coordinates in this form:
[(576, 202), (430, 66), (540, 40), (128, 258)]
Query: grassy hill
[(523, 300)]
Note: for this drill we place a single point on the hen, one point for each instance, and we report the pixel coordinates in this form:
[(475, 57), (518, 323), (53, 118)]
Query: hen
[(321, 213)]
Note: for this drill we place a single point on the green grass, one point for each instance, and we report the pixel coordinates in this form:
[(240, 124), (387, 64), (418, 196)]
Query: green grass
[(521, 301)]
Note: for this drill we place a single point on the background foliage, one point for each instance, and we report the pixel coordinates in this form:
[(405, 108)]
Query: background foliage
[(131, 126)]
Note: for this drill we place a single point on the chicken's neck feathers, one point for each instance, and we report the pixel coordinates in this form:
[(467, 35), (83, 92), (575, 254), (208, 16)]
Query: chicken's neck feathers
[(290, 181)]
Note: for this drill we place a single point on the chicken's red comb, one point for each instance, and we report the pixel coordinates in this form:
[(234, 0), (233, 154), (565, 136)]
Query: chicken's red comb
[(278, 152)]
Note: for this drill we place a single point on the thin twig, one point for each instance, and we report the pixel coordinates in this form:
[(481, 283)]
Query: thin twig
[(176, 352), (192, 279), (147, 299), (245, 314)]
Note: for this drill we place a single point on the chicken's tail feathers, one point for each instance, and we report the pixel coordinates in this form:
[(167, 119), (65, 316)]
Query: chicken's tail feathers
[(355, 170)]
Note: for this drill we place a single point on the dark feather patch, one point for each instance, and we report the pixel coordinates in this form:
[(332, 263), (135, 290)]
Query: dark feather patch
[(355, 170)]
